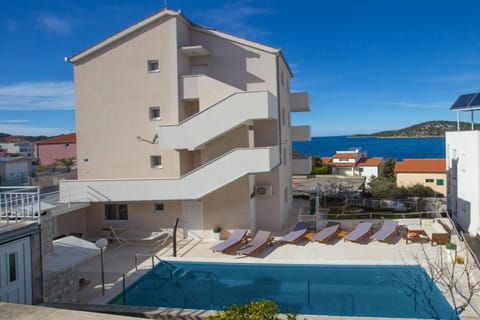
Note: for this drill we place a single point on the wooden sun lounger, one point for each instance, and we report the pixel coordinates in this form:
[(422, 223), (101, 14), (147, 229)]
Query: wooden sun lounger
[(297, 234), (328, 233), (236, 238), (258, 243), (386, 233), (360, 233)]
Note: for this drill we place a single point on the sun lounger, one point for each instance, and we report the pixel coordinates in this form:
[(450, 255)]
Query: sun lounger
[(235, 239), (327, 234), (386, 233), (297, 234), (361, 232), (258, 243), (131, 235)]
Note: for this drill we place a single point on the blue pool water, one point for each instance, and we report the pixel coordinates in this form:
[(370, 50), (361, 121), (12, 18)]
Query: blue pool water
[(376, 291)]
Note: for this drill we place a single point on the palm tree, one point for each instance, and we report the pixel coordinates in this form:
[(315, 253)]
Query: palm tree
[(68, 163)]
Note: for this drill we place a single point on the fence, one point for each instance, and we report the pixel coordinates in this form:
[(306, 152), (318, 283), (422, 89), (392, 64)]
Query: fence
[(18, 204)]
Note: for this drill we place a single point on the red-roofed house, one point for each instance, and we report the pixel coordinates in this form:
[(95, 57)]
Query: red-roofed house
[(428, 172), (354, 163), (59, 147)]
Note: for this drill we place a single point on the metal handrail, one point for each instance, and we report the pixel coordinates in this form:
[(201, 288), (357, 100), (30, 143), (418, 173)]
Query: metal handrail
[(153, 256)]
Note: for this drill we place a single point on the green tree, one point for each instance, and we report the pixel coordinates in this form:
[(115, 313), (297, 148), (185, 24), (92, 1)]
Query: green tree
[(68, 163), (254, 310), (388, 169), (419, 190)]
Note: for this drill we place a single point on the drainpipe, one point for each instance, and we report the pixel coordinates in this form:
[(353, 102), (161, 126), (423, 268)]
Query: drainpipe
[(278, 109)]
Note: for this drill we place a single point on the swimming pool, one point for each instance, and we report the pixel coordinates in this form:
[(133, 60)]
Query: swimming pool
[(375, 291)]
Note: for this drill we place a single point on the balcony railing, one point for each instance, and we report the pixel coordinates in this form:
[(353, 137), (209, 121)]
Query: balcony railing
[(194, 185), (19, 204), (300, 133), (299, 102)]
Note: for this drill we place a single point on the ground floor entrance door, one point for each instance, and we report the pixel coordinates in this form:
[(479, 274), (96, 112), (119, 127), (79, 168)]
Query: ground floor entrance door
[(193, 217), (15, 272)]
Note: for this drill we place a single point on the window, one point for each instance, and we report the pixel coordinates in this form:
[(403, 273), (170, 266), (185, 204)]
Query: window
[(154, 113), (12, 267), (156, 161), (429, 180), (67, 145), (116, 212), (153, 66), (158, 207), (439, 182)]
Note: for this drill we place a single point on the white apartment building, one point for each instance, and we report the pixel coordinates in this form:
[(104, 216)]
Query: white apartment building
[(178, 120), (463, 167), (463, 178)]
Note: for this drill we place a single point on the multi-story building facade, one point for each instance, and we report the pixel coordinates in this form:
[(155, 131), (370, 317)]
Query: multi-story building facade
[(177, 120)]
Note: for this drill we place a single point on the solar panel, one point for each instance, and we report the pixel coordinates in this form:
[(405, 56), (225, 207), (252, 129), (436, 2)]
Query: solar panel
[(463, 101), (475, 101)]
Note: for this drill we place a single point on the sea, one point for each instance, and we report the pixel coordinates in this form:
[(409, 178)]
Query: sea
[(397, 148)]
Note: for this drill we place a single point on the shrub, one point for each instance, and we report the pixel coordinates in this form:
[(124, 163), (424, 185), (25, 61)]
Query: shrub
[(254, 310)]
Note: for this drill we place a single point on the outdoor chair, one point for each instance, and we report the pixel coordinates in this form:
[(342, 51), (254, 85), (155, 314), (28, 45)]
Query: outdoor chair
[(360, 233), (297, 234), (258, 243), (237, 237), (131, 235), (386, 233), (328, 233)]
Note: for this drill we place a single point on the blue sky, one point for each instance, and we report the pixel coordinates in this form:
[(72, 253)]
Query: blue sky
[(368, 65)]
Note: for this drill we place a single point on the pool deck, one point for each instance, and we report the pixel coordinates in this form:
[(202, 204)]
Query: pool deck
[(121, 260)]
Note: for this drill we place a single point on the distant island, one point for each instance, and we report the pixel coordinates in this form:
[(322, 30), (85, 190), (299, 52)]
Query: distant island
[(424, 129)]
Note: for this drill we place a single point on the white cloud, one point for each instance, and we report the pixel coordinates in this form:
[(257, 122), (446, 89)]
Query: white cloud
[(233, 17), (457, 78), (47, 95), (428, 105), (15, 121), (54, 24), (23, 130)]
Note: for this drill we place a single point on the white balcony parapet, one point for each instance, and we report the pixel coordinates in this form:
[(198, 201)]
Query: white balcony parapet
[(299, 102), (206, 125), (19, 204), (300, 133), (302, 165), (194, 185)]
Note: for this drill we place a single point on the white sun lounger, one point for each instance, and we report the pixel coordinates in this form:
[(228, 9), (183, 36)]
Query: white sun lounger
[(131, 235)]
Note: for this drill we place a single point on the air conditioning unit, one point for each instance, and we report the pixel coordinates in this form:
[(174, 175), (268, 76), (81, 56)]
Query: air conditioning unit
[(263, 190)]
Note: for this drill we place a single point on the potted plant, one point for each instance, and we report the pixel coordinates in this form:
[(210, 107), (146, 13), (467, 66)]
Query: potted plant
[(216, 233)]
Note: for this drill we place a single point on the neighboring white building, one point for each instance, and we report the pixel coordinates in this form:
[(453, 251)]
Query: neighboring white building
[(24, 148), (463, 178), (355, 163)]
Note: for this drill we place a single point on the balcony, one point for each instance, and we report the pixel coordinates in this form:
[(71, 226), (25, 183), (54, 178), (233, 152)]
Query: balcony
[(299, 102), (195, 51), (194, 185), (300, 133), (204, 126), (302, 165)]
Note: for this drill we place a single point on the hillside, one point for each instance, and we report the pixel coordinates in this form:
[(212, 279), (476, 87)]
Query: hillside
[(4, 136), (425, 129)]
